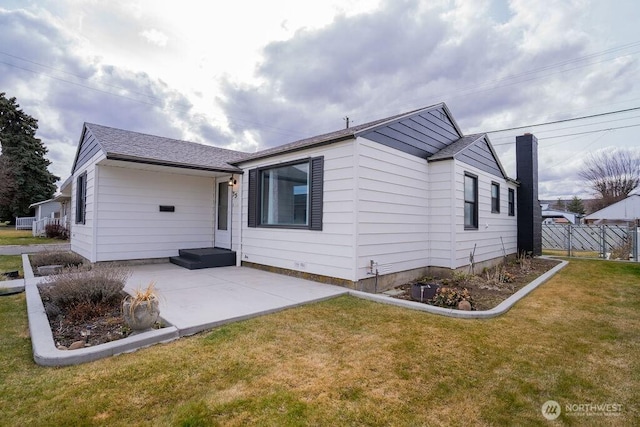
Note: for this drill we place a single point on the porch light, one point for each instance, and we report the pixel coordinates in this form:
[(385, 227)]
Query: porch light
[(232, 181)]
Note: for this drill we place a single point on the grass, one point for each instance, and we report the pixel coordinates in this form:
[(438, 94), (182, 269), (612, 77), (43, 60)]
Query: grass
[(10, 236), (574, 253), (346, 361), (10, 263)]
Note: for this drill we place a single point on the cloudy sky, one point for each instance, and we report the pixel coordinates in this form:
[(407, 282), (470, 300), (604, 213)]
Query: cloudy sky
[(251, 74)]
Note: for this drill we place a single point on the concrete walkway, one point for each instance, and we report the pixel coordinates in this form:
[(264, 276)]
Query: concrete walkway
[(197, 300), (28, 249)]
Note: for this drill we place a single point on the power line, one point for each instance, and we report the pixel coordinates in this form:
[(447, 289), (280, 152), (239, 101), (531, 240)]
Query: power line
[(577, 133), (566, 120)]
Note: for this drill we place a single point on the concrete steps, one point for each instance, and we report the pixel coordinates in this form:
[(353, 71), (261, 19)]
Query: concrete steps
[(194, 259)]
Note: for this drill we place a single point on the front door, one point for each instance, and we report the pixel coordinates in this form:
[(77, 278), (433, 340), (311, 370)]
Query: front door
[(223, 214)]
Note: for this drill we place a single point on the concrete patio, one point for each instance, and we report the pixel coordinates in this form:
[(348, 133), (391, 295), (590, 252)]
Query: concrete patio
[(197, 300)]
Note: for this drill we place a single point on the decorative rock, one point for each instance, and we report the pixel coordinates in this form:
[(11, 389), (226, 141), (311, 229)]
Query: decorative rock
[(76, 345), (464, 305), (61, 347)]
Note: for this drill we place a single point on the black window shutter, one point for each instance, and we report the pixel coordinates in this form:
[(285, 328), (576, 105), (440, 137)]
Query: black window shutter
[(253, 198), (317, 190)]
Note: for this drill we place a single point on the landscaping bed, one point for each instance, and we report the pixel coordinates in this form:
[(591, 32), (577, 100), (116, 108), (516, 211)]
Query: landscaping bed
[(483, 291), (84, 305)]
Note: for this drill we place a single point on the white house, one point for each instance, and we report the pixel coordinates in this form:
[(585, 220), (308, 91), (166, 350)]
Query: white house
[(625, 211), (362, 207), (46, 209)]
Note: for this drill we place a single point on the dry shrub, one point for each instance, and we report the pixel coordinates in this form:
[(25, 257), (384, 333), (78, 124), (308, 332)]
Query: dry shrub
[(622, 250), (56, 231), (102, 285), (83, 311), (65, 259)]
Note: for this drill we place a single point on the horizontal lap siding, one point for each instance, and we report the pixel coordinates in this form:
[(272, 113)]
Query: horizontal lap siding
[(82, 234), (491, 226), (328, 252), (441, 226), (131, 225), (392, 209)]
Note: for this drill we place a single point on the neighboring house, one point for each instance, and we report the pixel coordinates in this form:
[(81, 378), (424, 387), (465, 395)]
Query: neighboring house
[(46, 209), (557, 216), (362, 207), (622, 212), (47, 212)]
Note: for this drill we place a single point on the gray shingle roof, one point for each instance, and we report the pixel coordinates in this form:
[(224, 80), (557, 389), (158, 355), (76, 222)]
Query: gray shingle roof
[(455, 147), (120, 144)]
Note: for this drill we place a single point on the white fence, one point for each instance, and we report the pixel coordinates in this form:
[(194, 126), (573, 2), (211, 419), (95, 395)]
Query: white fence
[(39, 227), (604, 241), (25, 223)]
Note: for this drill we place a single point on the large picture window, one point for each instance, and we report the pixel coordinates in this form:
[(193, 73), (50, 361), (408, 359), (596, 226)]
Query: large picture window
[(287, 195), (470, 201), (81, 198)]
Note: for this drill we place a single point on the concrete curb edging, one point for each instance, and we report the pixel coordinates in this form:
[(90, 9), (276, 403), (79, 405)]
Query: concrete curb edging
[(45, 352), (501, 308), (8, 287)]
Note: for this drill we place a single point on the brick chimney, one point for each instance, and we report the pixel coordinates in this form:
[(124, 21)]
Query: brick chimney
[(529, 210)]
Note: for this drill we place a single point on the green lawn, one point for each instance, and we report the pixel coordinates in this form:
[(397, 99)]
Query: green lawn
[(346, 361), (10, 263), (11, 236)]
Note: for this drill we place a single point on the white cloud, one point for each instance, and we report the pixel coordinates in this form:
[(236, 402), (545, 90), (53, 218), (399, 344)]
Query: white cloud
[(290, 69), (156, 37)]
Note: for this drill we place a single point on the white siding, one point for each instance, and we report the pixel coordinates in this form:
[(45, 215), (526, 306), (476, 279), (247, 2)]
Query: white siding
[(392, 210), (328, 252), (494, 229), (130, 223), (82, 235), (441, 213)]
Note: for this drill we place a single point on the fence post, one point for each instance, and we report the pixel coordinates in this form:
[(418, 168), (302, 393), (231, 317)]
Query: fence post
[(636, 242), (569, 240)]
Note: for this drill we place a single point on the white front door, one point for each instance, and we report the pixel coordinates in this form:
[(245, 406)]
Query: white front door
[(223, 214)]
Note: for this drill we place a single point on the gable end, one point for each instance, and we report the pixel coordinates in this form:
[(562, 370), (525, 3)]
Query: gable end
[(421, 134), (87, 148), (481, 156)]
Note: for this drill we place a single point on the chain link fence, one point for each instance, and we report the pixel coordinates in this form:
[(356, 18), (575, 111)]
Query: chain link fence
[(603, 241)]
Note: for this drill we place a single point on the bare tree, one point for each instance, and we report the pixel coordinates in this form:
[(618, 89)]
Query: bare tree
[(612, 175)]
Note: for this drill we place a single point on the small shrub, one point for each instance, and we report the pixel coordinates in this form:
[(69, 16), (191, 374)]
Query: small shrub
[(65, 259), (56, 231), (83, 311), (77, 288), (498, 275), (622, 251), (524, 260), (461, 278), (450, 297)]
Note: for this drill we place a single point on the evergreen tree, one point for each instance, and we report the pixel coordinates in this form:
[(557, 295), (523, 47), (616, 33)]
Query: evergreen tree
[(24, 177), (576, 206)]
